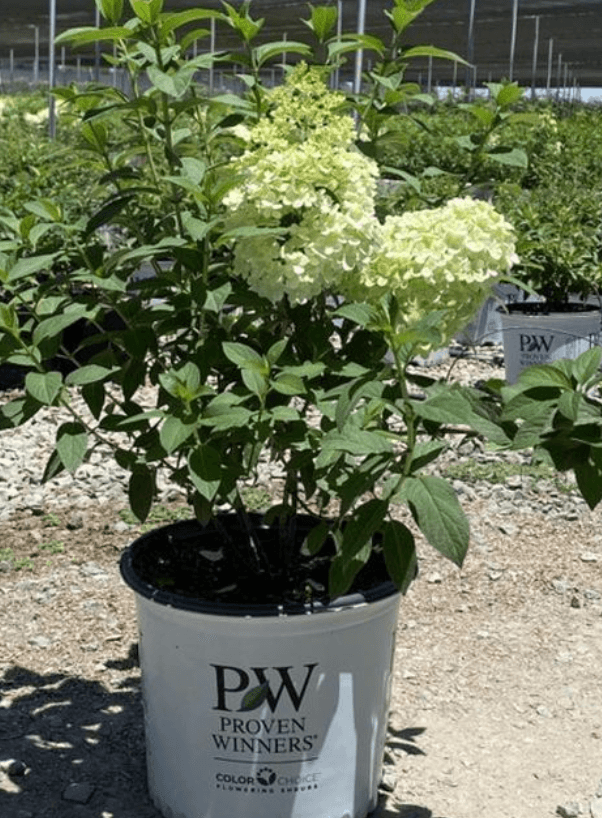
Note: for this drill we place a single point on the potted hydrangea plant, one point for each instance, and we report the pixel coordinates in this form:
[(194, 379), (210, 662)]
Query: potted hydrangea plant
[(557, 222), (273, 340)]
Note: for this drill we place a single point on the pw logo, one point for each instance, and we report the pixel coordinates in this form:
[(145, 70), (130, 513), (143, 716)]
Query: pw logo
[(536, 343), (258, 685)]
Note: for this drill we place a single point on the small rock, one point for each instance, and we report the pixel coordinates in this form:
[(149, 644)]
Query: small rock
[(75, 522), (576, 602), (92, 569), (78, 793), (17, 768), (40, 641), (13, 767), (388, 781), (589, 556), (595, 808), (514, 482), (572, 810), (5, 566), (509, 529)]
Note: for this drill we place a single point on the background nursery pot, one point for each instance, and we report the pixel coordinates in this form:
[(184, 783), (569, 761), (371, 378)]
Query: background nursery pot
[(255, 710), (534, 334)]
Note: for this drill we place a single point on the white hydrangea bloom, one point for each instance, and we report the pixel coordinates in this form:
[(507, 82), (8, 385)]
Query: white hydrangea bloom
[(304, 177), (303, 181), (441, 259)]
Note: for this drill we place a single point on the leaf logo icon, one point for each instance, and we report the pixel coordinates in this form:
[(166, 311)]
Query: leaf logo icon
[(254, 698)]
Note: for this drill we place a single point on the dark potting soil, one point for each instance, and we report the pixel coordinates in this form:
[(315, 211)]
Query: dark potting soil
[(550, 307), (207, 564)]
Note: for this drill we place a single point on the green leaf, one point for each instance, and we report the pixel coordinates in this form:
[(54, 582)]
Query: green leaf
[(307, 370), (541, 375), (89, 374), (205, 469), (16, 412), (405, 13), (400, 554), (225, 417), (361, 314), (439, 515), (357, 442), (514, 157), (288, 384), (322, 21), (242, 22), (460, 406), (174, 432), (175, 84), (426, 452), (365, 521), (588, 473), (344, 570), (109, 210), (89, 34), (351, 395), (506, 95), (45, 388), (254, 698), (111, 10), (216, 299), (255, 380), (587, 365), (570, 405), (147, 10), (267, 52), (284, 414), (182, 18), (9, 321), (53, 467), (44, 208), (94, 396), (53, 326), (28, 266), (141, 491), (240, 354), (276, 350), (72, 445), (316, 538), (432, 51), (364, 41)]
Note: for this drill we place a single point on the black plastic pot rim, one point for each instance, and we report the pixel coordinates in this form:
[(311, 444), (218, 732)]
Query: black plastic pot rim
[(198, 605), (541, 308)]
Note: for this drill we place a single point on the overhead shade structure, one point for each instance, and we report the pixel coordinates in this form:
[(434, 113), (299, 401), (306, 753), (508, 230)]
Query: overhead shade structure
[(574, 25), (51, 66)]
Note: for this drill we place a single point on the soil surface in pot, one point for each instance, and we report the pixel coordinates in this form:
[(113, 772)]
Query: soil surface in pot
[(241, 563), (550, 308)]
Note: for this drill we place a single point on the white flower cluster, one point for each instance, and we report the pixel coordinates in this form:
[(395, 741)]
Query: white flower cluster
[(441, 259), (303, 178), (305, 199)]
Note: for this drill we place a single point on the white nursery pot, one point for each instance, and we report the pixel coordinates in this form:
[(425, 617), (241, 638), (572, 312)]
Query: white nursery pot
[(531, 338), (313, 748)]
